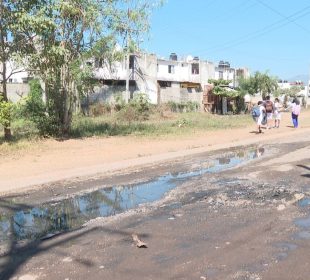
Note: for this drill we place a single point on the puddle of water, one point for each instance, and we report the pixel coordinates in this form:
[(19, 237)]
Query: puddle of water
[(282, 256), (302, 235), (286, 246), (304, 202), (72, 213), (303, 222)]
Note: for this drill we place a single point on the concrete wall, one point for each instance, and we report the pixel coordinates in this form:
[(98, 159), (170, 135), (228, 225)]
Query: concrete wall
[(179, 95), (16, 91), (107, 94), (145, 75), (20, 75)]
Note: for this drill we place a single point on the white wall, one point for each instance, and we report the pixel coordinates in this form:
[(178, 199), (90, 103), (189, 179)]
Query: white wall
[(19, 77)]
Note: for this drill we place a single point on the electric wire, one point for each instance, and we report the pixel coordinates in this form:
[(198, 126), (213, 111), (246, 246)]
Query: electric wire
[(250, 36), (282, 15)]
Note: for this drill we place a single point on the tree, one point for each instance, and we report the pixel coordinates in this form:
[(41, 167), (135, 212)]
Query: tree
[(8, 47), (76, 30), (221, 88), (259, 83), (265, 84), (16, 36)]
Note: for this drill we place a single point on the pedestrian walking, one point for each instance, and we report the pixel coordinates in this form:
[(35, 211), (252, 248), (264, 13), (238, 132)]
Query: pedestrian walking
[(277, 112), (269, 111), (295, 111), (259, 115)]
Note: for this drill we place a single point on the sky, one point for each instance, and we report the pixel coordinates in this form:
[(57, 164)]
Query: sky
[(262, 35)]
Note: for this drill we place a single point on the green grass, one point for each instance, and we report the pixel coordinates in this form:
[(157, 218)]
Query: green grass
[(176, 124)]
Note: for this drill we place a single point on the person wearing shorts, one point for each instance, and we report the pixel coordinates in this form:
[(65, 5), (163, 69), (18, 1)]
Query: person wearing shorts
[(269, 106)]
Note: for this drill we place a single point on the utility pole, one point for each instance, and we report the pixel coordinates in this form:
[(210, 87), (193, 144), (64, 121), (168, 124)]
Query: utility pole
[(127, 94), (127, 68), (307, 93)]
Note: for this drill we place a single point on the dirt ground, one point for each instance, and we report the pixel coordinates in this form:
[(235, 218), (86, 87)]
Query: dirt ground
[(51, 160), (250, 222)]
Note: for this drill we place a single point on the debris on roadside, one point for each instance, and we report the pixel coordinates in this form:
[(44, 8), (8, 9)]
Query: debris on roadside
[(138, 242)]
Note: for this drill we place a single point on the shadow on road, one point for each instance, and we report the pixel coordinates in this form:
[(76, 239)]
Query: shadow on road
[(304, 167)]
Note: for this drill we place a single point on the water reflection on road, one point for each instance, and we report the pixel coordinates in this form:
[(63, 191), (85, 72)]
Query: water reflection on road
[(54, 217)]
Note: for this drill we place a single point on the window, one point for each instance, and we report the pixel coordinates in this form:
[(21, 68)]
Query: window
[(164, 84), (131, 62), (10, 80), (171, 69), (195, 68), (99, 62), (221, 75)]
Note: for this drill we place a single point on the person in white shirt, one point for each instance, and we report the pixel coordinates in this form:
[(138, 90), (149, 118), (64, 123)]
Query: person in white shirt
[(277, 112), (295, 112), (261, 120)]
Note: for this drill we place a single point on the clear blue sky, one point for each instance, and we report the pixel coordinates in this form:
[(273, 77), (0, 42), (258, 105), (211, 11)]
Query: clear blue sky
[(263, 35)]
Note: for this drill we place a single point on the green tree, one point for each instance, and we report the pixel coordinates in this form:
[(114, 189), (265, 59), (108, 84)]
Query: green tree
[(259, 83), (16, 37), (221, 88), (77, 30)]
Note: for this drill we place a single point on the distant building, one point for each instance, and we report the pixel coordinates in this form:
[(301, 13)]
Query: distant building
[(163, 80), (225, 72), (17, 81)]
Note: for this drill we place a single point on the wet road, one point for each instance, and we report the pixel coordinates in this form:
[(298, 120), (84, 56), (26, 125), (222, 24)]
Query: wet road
[(215, 222)]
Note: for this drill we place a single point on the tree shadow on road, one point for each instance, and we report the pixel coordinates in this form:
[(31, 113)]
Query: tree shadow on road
[(304, 167)]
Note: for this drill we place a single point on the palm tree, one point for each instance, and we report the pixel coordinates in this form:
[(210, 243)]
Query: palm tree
[(265, 84)]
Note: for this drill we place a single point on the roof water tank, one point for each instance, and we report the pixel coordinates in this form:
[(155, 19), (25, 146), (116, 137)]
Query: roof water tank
[(173, 56)]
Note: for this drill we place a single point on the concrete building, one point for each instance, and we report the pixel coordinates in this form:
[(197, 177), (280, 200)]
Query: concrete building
[(163, 80), (225, 72), (17, 81)]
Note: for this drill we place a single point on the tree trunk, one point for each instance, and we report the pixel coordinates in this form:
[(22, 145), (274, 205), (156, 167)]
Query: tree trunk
[(7, 129), (67, 94)]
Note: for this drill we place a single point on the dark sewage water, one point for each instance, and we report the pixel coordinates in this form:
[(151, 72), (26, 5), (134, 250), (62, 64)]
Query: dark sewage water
[(55, 217)]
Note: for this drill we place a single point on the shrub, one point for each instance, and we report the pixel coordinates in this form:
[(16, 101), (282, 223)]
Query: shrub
[(119, 103), (141, 105), (183, 107), (6, 109), (99, 109), (138, 109), (34, 109)]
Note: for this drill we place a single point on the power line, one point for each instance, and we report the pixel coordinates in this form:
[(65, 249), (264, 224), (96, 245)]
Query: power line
[(282, 15), (301, 13)]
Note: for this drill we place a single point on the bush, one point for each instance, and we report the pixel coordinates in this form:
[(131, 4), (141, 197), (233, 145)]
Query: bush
[(34, 109), (99, 109), (183, 107), (6, 109), (137, 109), (141, 104), (119, 103)]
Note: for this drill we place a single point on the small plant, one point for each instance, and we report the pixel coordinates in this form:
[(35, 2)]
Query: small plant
[(34, 109), (6, 109), (141, 104), (183, 107), (100, 109), (119, 103)]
